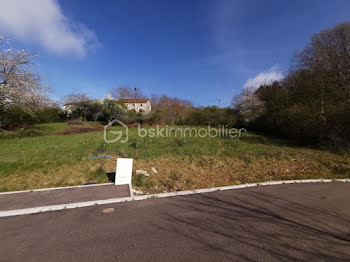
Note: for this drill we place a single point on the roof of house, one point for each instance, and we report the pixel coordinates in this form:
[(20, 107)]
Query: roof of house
[(70, 104), (133, 100)]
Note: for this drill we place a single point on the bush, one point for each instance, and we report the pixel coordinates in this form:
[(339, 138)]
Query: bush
[(131, 117), (155, 117), (16, 117), (212, 116), (49, 114), (31, 132), (88, 110)]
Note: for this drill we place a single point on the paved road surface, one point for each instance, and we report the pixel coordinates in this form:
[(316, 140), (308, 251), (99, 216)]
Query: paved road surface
[(307, 222), (61, 196)]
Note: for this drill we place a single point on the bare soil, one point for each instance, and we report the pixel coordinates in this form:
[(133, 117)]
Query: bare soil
[(78, 130)]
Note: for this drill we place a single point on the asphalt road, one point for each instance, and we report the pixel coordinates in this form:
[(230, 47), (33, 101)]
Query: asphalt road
[(305, 222), (61, 196)]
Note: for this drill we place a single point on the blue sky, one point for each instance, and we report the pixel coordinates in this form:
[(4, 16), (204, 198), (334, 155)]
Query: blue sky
[(197, 50)]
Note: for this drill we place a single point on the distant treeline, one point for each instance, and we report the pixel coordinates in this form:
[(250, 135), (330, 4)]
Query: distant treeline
[(311, 105)]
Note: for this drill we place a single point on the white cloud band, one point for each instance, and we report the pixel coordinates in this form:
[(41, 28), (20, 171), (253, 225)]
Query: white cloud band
[(265, 77), (43, 22)]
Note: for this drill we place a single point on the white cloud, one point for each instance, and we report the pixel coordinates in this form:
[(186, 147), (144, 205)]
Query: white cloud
[(264, 77), (43, 22)]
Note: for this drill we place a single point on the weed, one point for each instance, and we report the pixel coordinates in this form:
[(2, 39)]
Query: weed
[(98, 175), (138, 180), (133, 144), (174, 176), (100, 148)]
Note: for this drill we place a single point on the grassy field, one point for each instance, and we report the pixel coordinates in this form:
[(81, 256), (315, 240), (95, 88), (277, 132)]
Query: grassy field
[(48, 160)]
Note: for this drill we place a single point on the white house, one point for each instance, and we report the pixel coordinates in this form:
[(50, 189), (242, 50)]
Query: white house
[(138, 105), (69, 107)]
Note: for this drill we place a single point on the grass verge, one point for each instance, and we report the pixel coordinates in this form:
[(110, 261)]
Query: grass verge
[(52, 160)]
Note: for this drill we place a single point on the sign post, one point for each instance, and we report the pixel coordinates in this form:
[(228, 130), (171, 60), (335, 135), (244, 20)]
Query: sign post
[(123, 173)]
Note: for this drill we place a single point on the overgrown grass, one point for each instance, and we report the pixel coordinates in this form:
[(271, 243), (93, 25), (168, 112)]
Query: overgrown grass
[(182, 163), (40, 130)]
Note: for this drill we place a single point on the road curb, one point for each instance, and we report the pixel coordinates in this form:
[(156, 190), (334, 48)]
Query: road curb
[(54, 188), (27, 211)]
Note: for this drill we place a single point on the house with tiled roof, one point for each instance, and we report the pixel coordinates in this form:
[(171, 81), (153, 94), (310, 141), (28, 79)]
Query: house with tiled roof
[(138, 105), (69, 107)]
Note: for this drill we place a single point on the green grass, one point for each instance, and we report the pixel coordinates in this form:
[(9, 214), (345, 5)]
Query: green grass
[(40, 130), (52, 160)]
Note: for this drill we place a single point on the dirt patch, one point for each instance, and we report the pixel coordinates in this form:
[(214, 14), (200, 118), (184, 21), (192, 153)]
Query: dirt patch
[(78, 130), (75, 122)]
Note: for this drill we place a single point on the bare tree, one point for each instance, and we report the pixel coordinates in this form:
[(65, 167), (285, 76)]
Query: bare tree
[(75, 97), (328, 50), (19, 83), (126, 92), (170, 110), (326, 60)]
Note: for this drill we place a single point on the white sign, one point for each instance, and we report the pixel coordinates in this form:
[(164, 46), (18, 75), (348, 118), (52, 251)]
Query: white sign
[(123, 173)]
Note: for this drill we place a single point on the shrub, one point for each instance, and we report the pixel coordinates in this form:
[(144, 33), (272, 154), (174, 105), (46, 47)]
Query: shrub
[(130, 117), (16, 117), (212, 116), (49, 114), (31, 132)]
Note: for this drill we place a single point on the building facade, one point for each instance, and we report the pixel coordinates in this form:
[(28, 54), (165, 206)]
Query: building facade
[(69, 107), (138, 105)]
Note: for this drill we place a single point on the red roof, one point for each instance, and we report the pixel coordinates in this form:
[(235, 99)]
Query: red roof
[(70, 103), (133, 100)]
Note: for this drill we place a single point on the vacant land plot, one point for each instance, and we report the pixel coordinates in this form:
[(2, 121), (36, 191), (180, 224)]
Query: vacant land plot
[(50, 159)]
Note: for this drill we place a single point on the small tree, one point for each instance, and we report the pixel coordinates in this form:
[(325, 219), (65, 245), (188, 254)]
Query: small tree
[(75, 97), (127, 92), (248, 104), (113, 110), (20, 84), (170, 110)]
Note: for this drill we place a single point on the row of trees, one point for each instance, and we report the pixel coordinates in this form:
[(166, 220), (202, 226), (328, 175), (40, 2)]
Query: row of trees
[(165, 109), (312, 103)]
